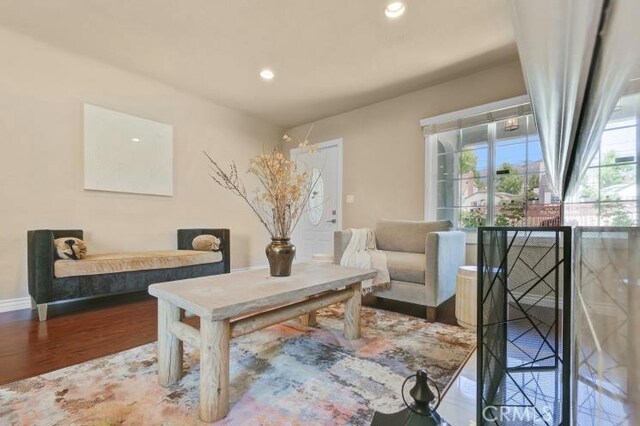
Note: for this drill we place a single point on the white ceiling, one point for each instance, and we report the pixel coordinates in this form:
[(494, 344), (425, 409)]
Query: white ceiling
[(329, 56)]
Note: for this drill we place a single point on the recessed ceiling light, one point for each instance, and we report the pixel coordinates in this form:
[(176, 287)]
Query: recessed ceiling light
[(267, 74), (135, 139), (394, 10)]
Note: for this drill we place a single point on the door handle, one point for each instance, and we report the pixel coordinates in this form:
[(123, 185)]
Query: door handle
[(331, 221)]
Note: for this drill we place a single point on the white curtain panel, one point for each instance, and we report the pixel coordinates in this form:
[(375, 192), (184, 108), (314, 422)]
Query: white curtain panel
[(617, 63), (606, 362), (555, 42)]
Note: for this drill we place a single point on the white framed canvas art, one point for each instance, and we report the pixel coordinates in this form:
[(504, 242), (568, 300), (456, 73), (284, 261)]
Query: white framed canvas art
[(125, 153)]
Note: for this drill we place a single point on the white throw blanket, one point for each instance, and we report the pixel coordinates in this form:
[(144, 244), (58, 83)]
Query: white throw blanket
[(361, 252)]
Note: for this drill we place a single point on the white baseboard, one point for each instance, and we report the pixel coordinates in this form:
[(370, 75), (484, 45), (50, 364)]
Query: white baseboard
[(25, 302), (249, 268), (15, 304)]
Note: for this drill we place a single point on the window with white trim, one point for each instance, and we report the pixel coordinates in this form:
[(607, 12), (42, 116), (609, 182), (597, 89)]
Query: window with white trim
[(489, 171)]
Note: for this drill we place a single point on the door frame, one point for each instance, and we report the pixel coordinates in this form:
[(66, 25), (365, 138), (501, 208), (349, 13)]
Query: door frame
[(293, 154)]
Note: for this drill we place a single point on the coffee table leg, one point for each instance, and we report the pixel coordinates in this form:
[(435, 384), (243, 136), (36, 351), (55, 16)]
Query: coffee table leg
[(214, 369), (352, 313), (309, 319), (169, 346)]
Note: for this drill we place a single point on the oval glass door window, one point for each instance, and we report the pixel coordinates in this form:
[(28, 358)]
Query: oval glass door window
[(316, 198)]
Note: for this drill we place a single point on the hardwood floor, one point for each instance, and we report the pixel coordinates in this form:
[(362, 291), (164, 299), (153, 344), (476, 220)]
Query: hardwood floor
[(75, 332), (79, 331)]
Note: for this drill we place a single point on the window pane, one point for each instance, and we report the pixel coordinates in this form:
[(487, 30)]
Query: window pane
[(473, 192), (472, 217), (448, 142), (510, 212), (532, 129), (474, 136), (509, 183), (510, 154), (618, 182), (469, 162), (618, 145), (618, 214), (543, 214), (446, 169), (588, 190), (447, 214), (534, 152), (473, 161), (446, 194), (583, 214)]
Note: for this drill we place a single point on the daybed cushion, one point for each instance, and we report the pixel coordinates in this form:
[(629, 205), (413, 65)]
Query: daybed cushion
[(126, 262), (408, 267)]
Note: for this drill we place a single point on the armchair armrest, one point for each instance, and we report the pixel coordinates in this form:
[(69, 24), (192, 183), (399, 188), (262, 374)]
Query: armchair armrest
[(186, 236), (340, 241), (445, 253)]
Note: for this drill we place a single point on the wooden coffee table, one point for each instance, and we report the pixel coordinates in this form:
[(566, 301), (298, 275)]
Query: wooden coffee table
[(239, 303)]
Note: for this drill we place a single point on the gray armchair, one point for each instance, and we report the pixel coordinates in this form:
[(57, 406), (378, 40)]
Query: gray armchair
[(422, 257)]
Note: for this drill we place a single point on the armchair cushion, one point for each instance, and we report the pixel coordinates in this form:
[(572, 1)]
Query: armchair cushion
[(406, 236), (408, 267)]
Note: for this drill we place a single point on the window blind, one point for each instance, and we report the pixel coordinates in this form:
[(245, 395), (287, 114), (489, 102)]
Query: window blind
[(477, 119)]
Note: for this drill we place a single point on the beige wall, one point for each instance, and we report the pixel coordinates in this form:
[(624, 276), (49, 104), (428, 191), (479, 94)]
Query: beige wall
[(42, 91), (384, 146)]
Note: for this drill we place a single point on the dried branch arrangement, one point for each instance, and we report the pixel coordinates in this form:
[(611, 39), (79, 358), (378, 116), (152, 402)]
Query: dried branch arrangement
[(283, 193)]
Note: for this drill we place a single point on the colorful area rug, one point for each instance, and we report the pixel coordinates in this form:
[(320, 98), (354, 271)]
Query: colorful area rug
[(283, 375)]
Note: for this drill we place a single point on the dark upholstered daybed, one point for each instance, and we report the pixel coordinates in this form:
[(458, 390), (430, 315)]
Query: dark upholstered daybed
[(52, 279)]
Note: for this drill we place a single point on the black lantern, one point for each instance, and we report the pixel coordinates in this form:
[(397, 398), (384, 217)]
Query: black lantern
[(419, 413)]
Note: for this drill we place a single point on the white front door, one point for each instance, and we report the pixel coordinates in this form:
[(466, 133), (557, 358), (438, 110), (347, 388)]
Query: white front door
[(323, 215)]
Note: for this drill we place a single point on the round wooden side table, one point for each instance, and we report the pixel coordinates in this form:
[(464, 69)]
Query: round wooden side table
[(467, 296)]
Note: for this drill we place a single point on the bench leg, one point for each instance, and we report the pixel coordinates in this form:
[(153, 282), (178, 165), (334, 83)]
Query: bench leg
[(214, 369), (170, 349), (42, 311), (309, 319), (352, 313)]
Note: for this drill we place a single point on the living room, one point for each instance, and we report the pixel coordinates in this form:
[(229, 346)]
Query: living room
[(151, 273)]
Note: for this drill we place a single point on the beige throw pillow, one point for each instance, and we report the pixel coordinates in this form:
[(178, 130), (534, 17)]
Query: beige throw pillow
[(70, 248), (206, 242)]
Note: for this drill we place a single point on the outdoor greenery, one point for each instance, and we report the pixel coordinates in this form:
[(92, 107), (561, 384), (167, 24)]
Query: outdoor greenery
[(473, 218), (510, 183), (534, 183), (616, 175), (468, 162), (616, 214), (510, 211), (609, 174)]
